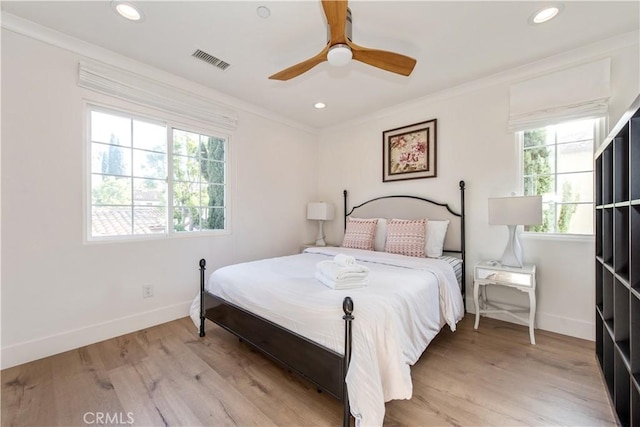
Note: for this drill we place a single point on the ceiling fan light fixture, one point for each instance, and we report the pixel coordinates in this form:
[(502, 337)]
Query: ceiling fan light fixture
[(339, 55)]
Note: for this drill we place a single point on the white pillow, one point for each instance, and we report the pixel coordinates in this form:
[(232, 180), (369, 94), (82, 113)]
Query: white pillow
[(381, 235), (436, 232)]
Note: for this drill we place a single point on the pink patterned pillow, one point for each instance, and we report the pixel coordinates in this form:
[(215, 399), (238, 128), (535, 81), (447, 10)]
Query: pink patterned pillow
[(360, 233), (406, 237)]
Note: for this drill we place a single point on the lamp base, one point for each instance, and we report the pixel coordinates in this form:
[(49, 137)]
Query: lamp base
[(320, 239), (512, 256)]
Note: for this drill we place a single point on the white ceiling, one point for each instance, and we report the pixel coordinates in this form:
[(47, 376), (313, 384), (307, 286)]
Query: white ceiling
[(454, 42)]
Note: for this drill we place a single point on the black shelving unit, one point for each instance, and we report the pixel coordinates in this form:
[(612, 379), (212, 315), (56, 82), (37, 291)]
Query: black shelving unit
[(617, 266)]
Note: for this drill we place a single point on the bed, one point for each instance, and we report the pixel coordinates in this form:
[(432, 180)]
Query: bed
[(357, 345)]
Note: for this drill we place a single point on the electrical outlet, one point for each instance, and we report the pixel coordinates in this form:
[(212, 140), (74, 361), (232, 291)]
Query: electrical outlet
[(147, 291)]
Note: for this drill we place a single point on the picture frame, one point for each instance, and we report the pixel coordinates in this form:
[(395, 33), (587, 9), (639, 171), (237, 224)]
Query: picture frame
[(409, 152)]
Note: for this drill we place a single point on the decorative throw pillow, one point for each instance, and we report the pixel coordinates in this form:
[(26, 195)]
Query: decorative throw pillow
[(406, 237), (436, 232), (360, 233), (381, 235)]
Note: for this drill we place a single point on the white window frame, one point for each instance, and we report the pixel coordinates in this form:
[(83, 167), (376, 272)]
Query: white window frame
[(171, 123), (600, 132)]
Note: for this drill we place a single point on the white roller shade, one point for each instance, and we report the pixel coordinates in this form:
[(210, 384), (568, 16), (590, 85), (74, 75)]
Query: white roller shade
[(142, 90), (576, 93)]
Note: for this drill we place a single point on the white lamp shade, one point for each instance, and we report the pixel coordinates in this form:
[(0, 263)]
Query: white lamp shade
[(320, 210), (522, 210)]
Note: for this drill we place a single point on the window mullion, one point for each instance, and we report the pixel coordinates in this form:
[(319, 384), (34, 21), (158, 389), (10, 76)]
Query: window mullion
[(169, 181)]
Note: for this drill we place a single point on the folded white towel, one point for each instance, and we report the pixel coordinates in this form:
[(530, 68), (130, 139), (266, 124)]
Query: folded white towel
[(336, 272), (344, 260), (341, 285)]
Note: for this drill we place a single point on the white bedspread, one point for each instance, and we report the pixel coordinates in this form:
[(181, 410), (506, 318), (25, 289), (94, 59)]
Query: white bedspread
[(406, 303)]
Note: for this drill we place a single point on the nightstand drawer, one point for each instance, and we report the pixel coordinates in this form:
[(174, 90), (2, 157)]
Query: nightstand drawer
[(511, 277)]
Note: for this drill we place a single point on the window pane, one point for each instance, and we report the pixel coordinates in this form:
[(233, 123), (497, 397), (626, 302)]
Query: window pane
[(149, 136), (213, 172), (539, 160), (110, 190), (149, 165), (541, 185), (536, 137), (186, 169), (111, 159), (213, 219), (548, 219), (575, 156), (216, 195), (186, 143), (575, 131), (186, 218), (110, 221), (212, 148), (575, 218), (150, 192), (575, 187), (149, 220), (110, 129)]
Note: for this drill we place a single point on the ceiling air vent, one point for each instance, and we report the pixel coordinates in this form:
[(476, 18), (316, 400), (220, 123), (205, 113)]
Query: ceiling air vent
[(216, 62)]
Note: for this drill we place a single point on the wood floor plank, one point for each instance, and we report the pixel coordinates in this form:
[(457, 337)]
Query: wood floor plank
[(28, 386), (167, 375)]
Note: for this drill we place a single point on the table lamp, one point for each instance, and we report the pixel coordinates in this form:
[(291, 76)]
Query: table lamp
[(320, 211), (512, 212)]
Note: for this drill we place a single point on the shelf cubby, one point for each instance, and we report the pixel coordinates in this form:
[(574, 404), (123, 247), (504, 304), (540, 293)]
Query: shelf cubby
[(621, 166), (634, 247), (599, 285), (598, 181), (607, 361), (635, 405), (599, 337), (607, 296), (621, 241), (634, 156), (607, 175), (634, 334), (607, 236), (599, 233), (622, 389)]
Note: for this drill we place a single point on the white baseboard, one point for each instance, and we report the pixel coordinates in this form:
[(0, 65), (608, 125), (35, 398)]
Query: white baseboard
[(28, 351), (577, 328)]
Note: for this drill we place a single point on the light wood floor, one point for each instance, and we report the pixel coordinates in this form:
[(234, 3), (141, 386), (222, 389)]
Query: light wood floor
[(166, 375)]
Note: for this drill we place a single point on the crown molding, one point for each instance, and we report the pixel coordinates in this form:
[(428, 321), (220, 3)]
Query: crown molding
[(88, 50), (557, 62)]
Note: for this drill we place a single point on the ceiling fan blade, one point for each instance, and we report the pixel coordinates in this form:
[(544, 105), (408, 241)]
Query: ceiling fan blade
[(389, 61), (302, 67), (336, 13)]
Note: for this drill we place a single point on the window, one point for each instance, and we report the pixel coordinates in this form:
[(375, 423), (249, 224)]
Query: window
[(150, 178), (558, 165)]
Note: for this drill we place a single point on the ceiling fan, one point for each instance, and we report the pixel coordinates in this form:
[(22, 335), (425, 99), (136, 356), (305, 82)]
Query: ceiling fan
[(340, 49)]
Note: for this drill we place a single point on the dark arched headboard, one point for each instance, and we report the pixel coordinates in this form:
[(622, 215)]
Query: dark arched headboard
[(417, 207)]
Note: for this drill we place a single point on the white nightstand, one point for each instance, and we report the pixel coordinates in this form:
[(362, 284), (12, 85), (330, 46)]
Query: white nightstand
[(494, 273)]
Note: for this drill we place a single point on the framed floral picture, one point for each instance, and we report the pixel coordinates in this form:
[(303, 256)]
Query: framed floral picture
[(409, 152)]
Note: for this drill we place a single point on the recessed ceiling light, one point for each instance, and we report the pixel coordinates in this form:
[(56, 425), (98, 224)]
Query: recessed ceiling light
[(128, 10), (546, 14), (263, 12), (319, 105)]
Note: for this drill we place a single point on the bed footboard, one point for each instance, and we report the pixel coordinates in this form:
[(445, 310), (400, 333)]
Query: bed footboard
[(321, 366)]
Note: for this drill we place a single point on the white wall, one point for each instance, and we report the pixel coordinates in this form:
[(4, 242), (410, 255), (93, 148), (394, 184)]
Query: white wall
[(59, 293), (473, 145)]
